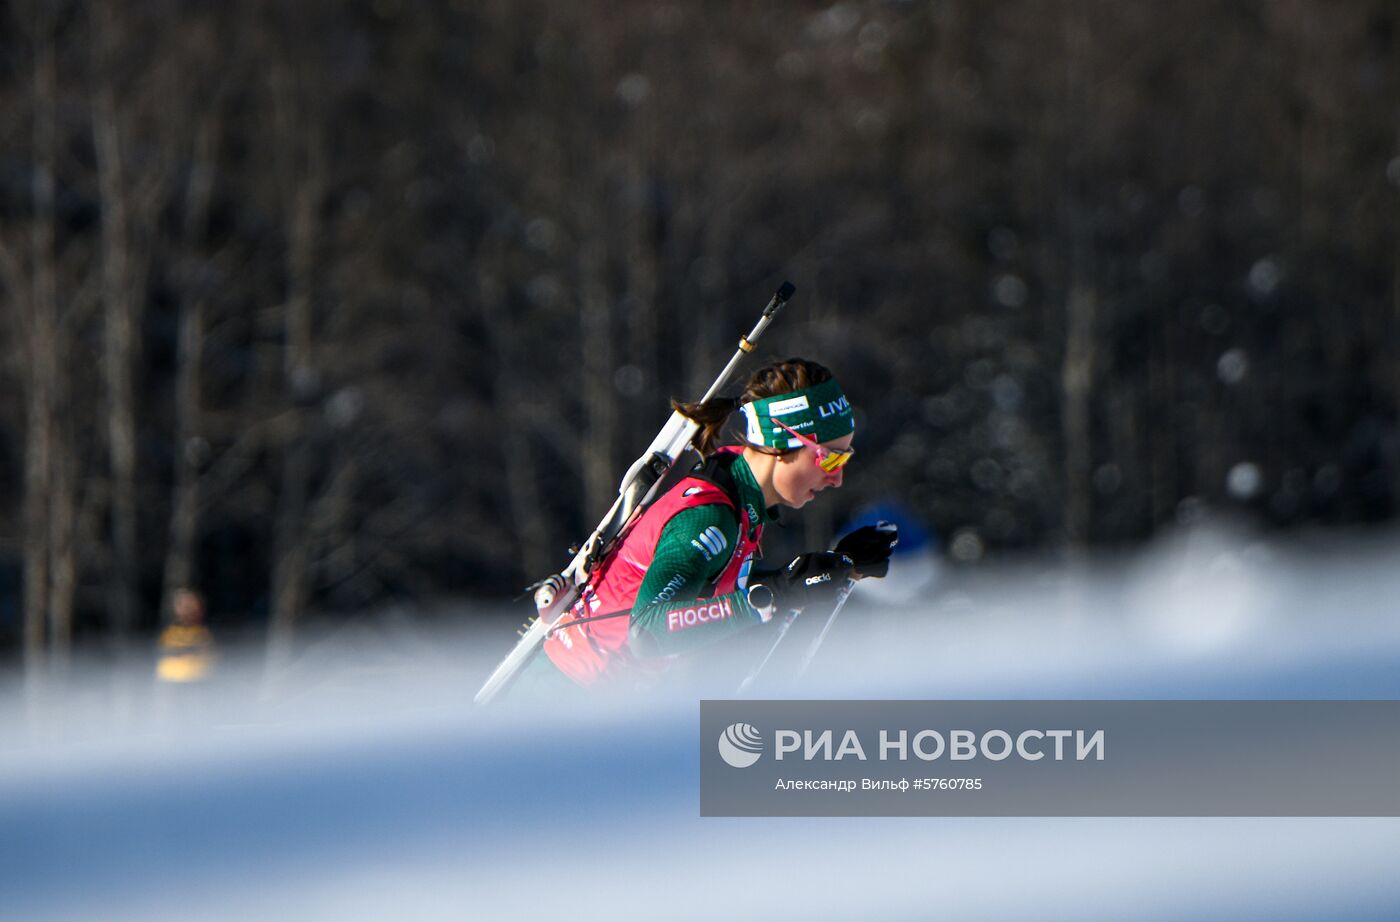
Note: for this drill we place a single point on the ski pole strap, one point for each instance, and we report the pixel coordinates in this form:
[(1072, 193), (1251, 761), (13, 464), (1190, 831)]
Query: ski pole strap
[(820, 412)]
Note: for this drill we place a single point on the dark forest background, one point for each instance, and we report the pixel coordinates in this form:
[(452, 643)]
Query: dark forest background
[(316, 305)]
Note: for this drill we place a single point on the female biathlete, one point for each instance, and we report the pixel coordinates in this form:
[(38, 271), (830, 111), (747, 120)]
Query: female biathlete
[(680, 577)]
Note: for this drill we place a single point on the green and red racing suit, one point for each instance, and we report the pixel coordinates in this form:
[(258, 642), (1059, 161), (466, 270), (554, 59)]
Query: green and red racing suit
[(674, 581)]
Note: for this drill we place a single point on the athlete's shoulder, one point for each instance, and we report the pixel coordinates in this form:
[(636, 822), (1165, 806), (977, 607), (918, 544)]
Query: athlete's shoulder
[(708, 530), (694, 491)]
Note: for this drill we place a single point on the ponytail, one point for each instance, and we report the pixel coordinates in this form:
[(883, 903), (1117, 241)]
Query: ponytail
[(711, 414), (783, 377)]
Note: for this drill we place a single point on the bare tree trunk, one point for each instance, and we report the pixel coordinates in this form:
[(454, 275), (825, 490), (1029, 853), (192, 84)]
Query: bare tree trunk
[(302, 174), (1076, 382), (120, 323), (642, 281), (37, 459), (1394, 355), (1081, 300), (290, 553), (43, 359), (600, 474), (184, 506), (1161, 426), (63, 516), (509, 346), (705, 337), (527, 511)]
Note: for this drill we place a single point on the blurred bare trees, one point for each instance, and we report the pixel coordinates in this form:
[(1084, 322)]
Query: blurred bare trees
[(317, 304)]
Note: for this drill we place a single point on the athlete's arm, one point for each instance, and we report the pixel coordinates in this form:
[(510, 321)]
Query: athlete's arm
[(693, 550)]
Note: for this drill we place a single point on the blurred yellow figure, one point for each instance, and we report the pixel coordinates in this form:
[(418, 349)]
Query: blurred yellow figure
[(186, 648)]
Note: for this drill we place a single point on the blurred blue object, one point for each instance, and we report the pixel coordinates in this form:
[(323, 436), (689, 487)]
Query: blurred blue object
[(915, 565), (914, 535)]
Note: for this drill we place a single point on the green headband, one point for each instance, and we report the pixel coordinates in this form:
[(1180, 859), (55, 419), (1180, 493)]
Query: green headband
[(820, 412)]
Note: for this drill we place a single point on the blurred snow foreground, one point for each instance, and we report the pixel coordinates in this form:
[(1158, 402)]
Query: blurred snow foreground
[(359, 784)]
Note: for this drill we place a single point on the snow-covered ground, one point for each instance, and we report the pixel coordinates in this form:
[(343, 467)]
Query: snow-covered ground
[(358, 784)]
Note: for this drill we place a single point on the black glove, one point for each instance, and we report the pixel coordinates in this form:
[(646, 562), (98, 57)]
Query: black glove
[(811, 579), (869, 548)]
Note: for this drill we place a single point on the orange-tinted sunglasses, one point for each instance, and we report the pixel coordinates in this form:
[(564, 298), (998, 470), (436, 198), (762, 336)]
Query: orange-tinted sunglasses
[(829, 460)]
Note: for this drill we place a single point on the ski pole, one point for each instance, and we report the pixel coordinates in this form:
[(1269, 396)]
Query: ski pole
[(791, 616), (773, 648), (826, 628), (874, 568)]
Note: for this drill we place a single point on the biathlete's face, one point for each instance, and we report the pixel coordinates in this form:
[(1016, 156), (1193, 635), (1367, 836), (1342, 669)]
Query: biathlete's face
[(798, 476)]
